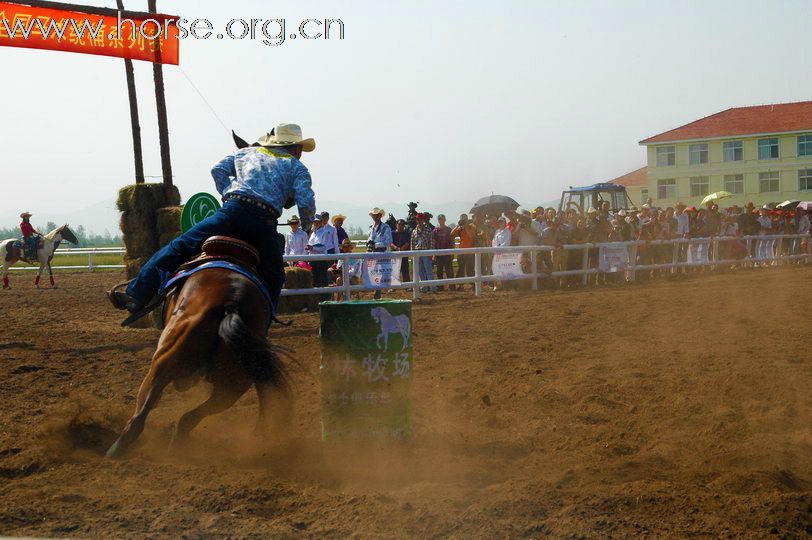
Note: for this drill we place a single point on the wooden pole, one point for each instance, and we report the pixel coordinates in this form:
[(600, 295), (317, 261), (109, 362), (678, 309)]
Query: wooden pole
[(163, 125), (89, 10), (136, 126)]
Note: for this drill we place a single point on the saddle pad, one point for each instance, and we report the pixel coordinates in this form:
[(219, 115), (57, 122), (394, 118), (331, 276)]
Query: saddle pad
[(178, 279)]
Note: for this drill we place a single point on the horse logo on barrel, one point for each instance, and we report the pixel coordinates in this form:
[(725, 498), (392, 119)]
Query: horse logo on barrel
[(391, 324)]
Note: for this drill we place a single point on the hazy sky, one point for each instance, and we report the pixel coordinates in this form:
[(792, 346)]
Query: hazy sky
[(422, 100)]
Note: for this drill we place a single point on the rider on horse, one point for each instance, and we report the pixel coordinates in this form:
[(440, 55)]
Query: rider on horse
[(256, 183), (30, 237)]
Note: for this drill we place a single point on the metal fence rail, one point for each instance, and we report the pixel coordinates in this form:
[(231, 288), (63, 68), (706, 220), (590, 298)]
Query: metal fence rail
[(714, 261), (776, 254)]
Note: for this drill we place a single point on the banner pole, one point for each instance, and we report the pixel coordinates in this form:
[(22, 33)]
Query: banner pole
[(136, 127), (163, 125)]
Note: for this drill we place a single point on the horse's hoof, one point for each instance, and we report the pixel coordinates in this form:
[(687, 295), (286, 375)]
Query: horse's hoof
[(54, 287)]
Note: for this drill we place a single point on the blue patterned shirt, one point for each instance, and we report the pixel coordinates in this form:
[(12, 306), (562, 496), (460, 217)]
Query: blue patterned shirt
[(271, 176), (381, 235)]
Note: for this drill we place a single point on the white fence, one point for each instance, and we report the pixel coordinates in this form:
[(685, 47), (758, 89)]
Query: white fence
[(761, 250), (90, 253)]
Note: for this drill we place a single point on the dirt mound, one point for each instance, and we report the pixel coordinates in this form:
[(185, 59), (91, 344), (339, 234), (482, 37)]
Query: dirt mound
[(667, 409)]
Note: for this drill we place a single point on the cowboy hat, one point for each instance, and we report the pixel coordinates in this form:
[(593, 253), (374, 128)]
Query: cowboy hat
[(293, 219), (376, 212), (25, 215), (338, 216), (422, 215), (287, 135)]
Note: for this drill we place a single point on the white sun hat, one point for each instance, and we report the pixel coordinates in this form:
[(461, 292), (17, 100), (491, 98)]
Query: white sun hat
[(286, 135)]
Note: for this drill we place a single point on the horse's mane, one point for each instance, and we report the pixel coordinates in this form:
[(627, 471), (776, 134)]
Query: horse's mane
[(50, 235)]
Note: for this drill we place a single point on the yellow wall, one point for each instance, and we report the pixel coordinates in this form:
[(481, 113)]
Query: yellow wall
[(787, 165)]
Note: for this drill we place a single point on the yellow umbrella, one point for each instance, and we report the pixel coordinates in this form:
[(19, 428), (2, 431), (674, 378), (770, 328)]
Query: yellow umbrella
[(718, 196)]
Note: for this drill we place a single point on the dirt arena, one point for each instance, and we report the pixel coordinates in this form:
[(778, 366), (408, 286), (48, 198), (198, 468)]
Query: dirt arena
[(669, 409)]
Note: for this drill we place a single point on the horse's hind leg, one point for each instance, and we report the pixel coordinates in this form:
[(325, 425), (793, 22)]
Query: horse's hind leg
[(5, 277), (227, 390)]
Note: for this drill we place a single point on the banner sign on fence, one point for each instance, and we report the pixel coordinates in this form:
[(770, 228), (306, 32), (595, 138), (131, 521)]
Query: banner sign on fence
[(698, 251), (765, 250), (382, 273), (507, 265), (152, 40), (613, 257)]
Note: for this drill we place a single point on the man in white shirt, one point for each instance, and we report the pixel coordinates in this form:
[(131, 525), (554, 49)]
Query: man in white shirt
[(296, 239), (317, 245), (333, 246), (502, 236)]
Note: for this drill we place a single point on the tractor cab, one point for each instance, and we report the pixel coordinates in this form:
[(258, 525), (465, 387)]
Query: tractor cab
[(581, 198)]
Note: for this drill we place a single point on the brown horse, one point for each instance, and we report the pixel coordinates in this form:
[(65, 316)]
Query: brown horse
[(216, 328)]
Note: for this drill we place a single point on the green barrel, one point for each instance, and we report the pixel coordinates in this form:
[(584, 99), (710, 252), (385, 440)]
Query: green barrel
[(366, 369)]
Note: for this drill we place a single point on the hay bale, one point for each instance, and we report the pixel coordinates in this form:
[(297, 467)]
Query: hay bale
[(168, 224), (168, 219), (133, 265), (145, 197), (145, 226), (298, 278)]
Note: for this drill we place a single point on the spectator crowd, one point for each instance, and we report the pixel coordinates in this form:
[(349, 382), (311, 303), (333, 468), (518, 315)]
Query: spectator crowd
[(546, 227)]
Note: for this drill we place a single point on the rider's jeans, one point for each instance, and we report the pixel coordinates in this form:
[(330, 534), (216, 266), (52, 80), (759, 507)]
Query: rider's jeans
[(236, 219)]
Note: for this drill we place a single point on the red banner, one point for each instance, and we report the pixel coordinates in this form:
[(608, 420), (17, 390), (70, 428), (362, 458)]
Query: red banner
[(151, 40)]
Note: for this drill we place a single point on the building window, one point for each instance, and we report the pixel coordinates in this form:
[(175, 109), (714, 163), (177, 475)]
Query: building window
[(805, 145), (667, 188), (666, 156), (643, 196), (733, 151), (768, 148), (698, 154), (699, 186), (805, 180), (769, 182), (734, 183)]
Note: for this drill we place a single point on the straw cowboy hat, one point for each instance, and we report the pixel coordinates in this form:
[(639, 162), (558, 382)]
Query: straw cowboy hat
[(376, 212), (25, 215), (286, 135), (339, 216), (293, 219)]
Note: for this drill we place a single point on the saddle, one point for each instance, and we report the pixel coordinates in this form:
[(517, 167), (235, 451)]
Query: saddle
[(225, 248), (217, 252)]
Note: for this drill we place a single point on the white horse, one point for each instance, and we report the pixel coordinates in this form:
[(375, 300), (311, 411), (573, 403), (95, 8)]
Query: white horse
[(391, 324), (10, 254)]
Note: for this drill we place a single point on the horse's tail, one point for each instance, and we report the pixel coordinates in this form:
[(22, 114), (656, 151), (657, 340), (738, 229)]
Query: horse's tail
[(256, 355)]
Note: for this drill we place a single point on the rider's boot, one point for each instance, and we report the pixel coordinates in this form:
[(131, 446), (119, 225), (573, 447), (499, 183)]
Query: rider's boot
[(122, 300)]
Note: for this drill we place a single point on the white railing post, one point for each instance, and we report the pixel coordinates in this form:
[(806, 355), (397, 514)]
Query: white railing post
[(90, 260), (674, 256), (585, 265), (416, 277), (478, 274), (633, 263), (534, 269), (345, 279)]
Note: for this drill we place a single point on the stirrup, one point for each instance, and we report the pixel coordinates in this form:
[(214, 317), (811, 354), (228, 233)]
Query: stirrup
[(151, 306)]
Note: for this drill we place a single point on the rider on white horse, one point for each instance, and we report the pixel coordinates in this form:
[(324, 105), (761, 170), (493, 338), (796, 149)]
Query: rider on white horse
[(30, 237)]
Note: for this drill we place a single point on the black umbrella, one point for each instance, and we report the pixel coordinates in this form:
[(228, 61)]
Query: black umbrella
[(494, 205)]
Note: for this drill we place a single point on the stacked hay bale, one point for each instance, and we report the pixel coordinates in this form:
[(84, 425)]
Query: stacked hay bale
[(298, 278), (168, 224), (139, 205)]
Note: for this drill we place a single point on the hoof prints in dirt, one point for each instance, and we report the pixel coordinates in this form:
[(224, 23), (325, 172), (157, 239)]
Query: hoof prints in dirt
[(20, 472), (19, 370), (91, 436)]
